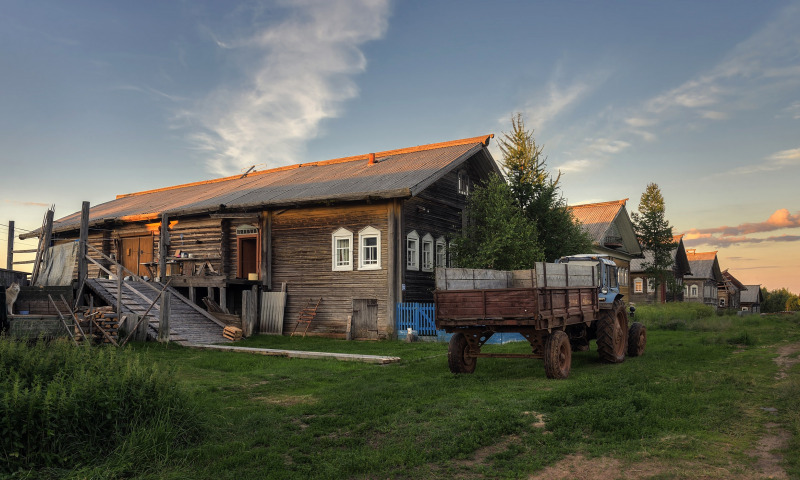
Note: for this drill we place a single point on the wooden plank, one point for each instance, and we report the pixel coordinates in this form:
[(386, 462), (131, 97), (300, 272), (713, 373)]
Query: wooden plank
[(163, 318), (10, 250), (345, 357)]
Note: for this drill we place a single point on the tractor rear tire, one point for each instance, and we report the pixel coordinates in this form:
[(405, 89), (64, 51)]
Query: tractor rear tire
[(612, 335), (557, 355), (458, 355), (637, 339)]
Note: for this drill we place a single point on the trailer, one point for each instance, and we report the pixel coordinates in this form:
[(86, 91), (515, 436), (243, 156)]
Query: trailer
[(558, 307)]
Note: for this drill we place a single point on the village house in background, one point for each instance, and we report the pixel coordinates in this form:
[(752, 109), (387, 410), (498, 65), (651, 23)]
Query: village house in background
[(751, 299), (703, 285), (643, 288), (612, 233), (352, 236), (730, 291)]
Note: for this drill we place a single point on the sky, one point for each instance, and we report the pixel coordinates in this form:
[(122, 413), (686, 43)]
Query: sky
[(102, 98)]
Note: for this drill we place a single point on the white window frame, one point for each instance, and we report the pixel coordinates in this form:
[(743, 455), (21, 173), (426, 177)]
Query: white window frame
[(722, 302), (342, 234), (427, 253), (450, 262), (638, 285), (364, 234), (651, 285), (441, 255), (693, 291), (463, 182), (412, 253)]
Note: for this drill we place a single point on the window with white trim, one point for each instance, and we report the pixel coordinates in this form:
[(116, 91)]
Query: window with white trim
[(412, 250), (427, 253), (693, 290), (721, 302), (369, 249), (637, 285), (441, 252), (463, 182), (651, 285), (686, 290), (342, 250), (450, 262)]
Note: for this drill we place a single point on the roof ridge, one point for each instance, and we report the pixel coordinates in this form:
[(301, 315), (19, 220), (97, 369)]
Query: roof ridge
[(484, 139), (601, 204)]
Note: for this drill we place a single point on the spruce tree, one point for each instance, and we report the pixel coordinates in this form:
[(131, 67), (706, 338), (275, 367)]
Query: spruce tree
[(539, 195), (655, 235)]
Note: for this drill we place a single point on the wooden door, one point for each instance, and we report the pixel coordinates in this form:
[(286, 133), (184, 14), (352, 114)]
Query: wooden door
[(249, 257), (134, 251), (365, 319)]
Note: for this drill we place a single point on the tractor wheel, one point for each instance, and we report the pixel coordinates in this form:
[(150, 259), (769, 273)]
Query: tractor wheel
[(612, 335), (557, 355), (458, 355), (637, 339)]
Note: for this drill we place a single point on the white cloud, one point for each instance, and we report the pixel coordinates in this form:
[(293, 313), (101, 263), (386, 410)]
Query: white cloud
[(776, 161), (606, 146), (556, 101), (574, 166), (713, 115), (292, 75)]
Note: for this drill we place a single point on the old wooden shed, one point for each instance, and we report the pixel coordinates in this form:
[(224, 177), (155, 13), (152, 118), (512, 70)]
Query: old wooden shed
[(356, 234)]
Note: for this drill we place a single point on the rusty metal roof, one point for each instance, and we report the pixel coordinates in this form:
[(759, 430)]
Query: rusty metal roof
[(606, 220), (393, 174)]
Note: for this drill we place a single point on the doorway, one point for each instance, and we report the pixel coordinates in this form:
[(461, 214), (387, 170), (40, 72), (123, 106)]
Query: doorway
[(365, 319), (134, 251), (249, 257)]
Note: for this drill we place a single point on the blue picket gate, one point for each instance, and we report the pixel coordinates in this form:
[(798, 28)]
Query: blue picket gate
[(416, 316), (419, 318)]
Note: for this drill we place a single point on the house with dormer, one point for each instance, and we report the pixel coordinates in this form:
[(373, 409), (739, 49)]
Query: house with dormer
[(610, 227)]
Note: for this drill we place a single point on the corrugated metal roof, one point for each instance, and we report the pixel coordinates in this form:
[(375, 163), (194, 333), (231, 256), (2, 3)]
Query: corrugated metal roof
[(394, 174), (678, 256), (606, 220)]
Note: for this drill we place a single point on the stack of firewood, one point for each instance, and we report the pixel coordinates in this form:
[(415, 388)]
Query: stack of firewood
[(106, 320)]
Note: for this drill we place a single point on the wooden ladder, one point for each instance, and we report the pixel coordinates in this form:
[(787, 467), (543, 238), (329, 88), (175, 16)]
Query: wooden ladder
[(307, 314)]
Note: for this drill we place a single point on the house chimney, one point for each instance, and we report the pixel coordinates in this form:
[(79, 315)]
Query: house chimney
[(371, 160)]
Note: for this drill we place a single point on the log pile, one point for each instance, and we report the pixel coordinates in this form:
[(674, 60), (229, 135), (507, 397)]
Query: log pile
[(102, 323)]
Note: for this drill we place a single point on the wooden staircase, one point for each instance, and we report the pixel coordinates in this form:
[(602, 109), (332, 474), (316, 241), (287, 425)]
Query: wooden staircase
[(189, 324)]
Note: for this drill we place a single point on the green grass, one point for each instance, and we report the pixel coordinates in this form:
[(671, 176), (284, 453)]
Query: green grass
[(694, 398)]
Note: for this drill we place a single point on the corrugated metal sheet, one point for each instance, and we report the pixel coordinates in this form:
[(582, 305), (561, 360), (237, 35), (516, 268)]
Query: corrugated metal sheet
[(597, 217), (751, 294), (395, 174), (704, 265)]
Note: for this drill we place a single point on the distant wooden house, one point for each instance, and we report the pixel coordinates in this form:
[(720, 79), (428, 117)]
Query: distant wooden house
[(730, 292), (643, 287), (751, 299), (360, 233), (703, 285), (612, 233)]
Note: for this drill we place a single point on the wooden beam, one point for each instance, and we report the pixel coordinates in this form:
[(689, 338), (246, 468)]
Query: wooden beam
[(391, 267), (10, 254), (345, 357), (163, 319), (44, 243), (266, 250), (163, 247), (83, 266), (253, 216)]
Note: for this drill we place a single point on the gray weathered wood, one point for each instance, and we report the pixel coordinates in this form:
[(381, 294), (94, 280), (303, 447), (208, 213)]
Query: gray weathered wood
[(266, 250), (248, 313), (163, 247), (345, 357), (83, 240), (44, 243), (163, 319), (10, 250)]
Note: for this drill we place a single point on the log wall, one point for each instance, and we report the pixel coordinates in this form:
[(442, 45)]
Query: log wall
[(302, 258)]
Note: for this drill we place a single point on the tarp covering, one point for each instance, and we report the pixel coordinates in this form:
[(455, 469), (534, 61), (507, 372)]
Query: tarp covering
[(58, 266)]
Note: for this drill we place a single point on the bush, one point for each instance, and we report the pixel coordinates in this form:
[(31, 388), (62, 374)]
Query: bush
[(62, 405)]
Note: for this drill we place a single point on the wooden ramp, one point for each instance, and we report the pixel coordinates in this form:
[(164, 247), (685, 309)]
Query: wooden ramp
[(189, 324)]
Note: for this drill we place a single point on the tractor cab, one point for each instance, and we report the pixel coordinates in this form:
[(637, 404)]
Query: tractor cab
[(605, 275)]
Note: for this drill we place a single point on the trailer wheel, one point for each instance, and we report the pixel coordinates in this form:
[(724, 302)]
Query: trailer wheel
[(557, 355), (612, 335), (637, 339), (457, 355)]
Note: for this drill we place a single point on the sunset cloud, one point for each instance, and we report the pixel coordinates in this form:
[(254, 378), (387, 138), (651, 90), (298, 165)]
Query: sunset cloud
[(776, 161), (28, 204), (741, 234)]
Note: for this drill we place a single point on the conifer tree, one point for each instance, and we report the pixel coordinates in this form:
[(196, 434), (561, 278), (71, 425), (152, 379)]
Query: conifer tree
[(539, 195), (655, 235)]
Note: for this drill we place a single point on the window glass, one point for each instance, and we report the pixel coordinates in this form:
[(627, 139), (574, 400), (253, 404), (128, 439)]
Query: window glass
[(342, 250), (412, 251), (369, 245)]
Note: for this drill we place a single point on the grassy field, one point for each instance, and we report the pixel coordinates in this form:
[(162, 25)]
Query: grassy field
[(707, 400)]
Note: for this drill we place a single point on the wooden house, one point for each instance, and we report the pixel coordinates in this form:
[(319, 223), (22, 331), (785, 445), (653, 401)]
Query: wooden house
[(702, 286), (643, 287), (751, 299), (612, 233), (356, 235), (730, 292)]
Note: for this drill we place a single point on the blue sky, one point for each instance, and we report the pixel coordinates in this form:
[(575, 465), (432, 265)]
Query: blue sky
[(701, 97)]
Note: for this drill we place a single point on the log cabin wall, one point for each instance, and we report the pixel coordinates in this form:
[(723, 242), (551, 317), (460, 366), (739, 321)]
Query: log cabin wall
[(199, 236), (302, 257), (231, 251), (436, 211)]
